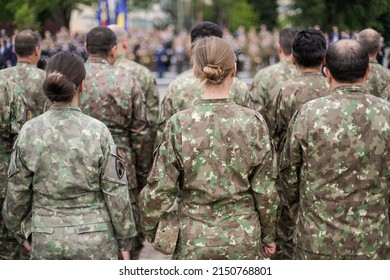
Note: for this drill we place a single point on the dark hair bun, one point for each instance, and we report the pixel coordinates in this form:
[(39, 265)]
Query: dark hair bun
[(58, 88)]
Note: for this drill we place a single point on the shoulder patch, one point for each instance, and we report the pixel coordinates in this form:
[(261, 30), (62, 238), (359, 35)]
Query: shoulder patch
[(116, 167)]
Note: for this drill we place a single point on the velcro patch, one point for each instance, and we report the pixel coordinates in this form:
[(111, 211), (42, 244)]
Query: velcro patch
[(116, 167)]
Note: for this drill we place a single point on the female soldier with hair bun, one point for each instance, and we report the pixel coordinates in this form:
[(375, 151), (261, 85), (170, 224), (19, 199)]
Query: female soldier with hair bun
[(217, 160), (66, 168)]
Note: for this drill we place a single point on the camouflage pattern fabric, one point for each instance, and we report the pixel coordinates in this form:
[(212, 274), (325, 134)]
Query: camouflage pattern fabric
[(30, 79), (227, 203), (378, 79), (147, 82), (280, 109), (335, 168), (269, 78), (185, 90), (114, 97), (386, 93), (290, 97), (66, 166), (13, 114)]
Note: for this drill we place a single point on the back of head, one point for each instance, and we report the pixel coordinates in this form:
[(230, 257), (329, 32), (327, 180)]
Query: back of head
[(65, 72), (213, 59), (205, 29), (119, 31), (309, 48), (100, 40), (25, 43), (370, 39), (286, 38), (347, 61)]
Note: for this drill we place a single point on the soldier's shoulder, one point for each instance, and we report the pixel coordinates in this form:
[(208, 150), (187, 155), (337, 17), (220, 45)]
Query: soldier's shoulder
[(268, 71)]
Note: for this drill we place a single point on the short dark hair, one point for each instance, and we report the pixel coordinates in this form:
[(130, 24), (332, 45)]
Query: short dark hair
[(205, 29), (309, 47), (65, 72), (100, 40), (370, 39), (286, 38), (347, 61), (25, 42)]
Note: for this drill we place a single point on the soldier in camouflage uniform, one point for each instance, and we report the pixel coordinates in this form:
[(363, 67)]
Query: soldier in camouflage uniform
[(114, 97), (67, 169), (222, 158), (148, 85), (185, 90), (25, 73), (335, 165), (13, 114), (273, 76), (379, 77), (386, 93), (308, 52), (143, 76)]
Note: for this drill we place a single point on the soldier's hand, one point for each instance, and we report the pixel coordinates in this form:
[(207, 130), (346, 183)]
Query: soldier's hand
[(27, 245), (124, 255), (269, 249)]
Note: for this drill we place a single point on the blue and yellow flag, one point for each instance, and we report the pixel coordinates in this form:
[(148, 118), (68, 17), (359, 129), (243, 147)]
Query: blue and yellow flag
[(121, 13), (103, 14)]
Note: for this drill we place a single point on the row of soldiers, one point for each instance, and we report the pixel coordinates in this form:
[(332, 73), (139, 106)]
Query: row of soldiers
[(130, 108)]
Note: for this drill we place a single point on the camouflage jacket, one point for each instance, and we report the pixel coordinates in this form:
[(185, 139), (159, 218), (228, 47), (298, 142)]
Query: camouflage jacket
[(336, 167), (227, 193), (269, 78), (378, 79), (112, 96), (30, 79), (386, 93), (186, 89), (148, 85), (292, 95), (66, 167), (13, 114)]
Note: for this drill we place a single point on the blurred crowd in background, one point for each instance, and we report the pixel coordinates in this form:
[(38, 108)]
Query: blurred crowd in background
[(165, 50)]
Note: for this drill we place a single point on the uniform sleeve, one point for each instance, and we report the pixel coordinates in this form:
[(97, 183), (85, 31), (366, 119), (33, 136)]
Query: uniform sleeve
[(116, 194), (263, 179), (152, 104), (291, 160), (18, 200), (270, 111), (162, 189), (257, 94), (141, 143), (166, 112)]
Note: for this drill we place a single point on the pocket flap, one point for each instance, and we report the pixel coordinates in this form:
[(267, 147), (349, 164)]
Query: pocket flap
[(48, 230), (91, 228)]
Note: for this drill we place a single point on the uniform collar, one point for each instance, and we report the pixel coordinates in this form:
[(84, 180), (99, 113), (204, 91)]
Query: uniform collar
[(350, 89), (97, 60), (223, 101), (64, 107)]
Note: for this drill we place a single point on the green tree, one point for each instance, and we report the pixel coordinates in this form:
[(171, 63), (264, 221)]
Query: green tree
[(25, 11), (267, 12), (346, 14)]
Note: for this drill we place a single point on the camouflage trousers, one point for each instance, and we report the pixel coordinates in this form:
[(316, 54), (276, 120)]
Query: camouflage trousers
[(9, 247), (138, 240), (300, 254), (284, 234), (83, 242), (247, 251)]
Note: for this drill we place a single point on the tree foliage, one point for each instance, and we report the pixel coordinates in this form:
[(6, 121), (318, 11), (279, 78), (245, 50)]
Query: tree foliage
[(26, 11), (266, 10), (346, 14)]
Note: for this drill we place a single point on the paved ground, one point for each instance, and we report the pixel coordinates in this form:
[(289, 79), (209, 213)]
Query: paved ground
[(148, 253)]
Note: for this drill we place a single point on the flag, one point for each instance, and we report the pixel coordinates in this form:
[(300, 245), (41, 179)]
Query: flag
[(121, 13), (103, 14)]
